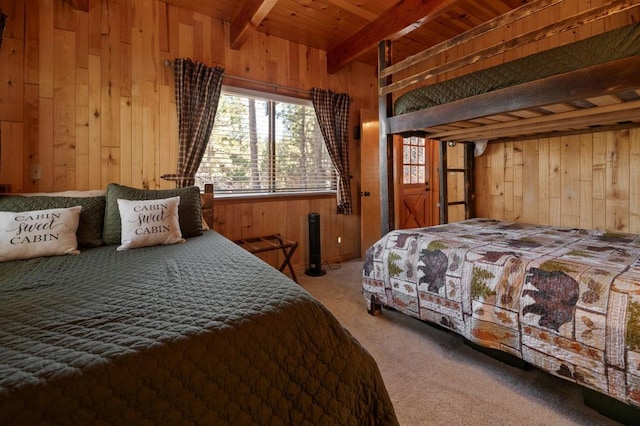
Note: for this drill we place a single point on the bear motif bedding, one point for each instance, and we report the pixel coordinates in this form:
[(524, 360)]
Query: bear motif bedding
[(564, 300)]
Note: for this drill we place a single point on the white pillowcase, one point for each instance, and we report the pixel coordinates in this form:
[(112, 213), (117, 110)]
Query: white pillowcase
[(37, 233), (149, 222)]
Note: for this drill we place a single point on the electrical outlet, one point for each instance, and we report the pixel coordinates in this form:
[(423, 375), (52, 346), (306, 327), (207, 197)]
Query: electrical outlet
[(35, 172)]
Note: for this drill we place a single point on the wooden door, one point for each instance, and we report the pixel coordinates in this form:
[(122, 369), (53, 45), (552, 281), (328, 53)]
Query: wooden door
[(370, 220), (414, 185)]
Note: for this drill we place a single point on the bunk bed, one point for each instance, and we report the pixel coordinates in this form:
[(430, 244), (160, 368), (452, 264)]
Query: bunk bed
[(589, 85)]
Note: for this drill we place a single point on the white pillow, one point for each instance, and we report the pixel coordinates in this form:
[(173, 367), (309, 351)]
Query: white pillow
[(37, 233), (149, 222)]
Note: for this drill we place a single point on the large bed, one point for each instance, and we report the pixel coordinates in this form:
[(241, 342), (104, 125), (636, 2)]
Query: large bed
[(200, 332), (564, 300)]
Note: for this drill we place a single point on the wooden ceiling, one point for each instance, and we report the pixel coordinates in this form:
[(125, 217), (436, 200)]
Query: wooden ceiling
[(349, 30)]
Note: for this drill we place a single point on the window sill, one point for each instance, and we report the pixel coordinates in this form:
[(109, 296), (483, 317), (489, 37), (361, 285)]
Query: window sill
[(243, 198)]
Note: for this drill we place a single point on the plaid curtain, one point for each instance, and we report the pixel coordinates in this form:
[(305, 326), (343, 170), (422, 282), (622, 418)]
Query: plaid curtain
[(332, 110), (197, 94)]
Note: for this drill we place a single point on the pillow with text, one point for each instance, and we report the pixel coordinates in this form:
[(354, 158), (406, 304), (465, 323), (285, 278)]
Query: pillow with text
[(188, 210), (25, 235), (149, 222)]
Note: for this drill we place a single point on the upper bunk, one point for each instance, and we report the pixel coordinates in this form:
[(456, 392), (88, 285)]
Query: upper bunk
[(590, 84)]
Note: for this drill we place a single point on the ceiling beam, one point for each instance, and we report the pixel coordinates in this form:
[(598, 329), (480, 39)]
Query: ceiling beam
[(394, 23), (248, 18), (356, 10)]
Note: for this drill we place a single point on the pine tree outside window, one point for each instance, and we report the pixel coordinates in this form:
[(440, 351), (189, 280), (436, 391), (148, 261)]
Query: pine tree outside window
[(265, 144)]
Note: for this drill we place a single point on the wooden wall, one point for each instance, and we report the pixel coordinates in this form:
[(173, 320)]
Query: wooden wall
[(86, 96), (582, 181)]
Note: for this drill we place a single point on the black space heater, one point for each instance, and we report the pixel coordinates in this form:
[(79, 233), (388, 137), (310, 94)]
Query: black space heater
[(315, 257)]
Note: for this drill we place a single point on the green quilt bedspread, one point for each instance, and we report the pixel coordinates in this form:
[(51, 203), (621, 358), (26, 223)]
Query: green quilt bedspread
[(194, 333), (615, 44)]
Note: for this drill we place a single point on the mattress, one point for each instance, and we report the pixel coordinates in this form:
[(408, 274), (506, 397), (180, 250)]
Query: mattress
[(564, 300), (611, 45), (198, 333)]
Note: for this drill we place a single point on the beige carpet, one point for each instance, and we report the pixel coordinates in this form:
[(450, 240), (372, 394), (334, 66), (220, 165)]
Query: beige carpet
[(433, 378)]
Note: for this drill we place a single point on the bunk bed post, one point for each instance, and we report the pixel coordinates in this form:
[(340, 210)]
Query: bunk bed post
[(469, 181), (442, 171), (385, 110)]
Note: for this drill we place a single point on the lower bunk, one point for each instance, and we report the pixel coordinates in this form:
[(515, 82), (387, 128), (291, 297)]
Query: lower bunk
[(564, 300)]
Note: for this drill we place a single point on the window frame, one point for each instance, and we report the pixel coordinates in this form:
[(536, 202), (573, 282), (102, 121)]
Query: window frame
[(273, 194)]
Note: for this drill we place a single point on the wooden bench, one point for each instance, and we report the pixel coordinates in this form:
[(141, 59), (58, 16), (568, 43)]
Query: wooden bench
[(272, 242)]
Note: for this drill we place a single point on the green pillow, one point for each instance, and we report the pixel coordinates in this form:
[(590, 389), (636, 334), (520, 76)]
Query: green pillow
[(188, 209), (89, 233)]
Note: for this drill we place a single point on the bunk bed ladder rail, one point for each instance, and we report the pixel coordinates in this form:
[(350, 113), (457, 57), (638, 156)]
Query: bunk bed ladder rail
[(469, 184)]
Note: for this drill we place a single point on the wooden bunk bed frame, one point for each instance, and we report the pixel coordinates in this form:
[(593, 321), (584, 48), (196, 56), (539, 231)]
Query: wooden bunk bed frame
[(597, 98)]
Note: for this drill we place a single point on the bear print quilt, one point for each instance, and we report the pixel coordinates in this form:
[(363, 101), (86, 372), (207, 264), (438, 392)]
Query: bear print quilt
[(564, 300)]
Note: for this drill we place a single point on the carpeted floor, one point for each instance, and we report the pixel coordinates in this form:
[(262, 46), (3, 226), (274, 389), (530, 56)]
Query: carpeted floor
[(433, 378)]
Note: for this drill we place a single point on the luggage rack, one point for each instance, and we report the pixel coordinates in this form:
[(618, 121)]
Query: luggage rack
[(272, 242)]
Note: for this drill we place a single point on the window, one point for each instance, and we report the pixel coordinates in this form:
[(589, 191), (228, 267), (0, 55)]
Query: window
[(413, 160), (264, 144)]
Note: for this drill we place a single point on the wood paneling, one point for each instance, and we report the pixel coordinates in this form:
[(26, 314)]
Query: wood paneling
[(245, 219), (85, 94), (11, 79), (325, 24), (580, 181)]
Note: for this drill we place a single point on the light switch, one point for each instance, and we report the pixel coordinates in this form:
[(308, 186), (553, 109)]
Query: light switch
[(35, 172)]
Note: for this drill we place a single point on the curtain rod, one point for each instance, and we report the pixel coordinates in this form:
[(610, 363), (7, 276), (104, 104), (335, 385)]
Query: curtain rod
[(169, 63)]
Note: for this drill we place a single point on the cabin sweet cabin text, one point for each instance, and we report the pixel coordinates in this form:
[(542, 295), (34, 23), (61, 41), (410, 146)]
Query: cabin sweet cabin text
[(150, 219), (35, 228)]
